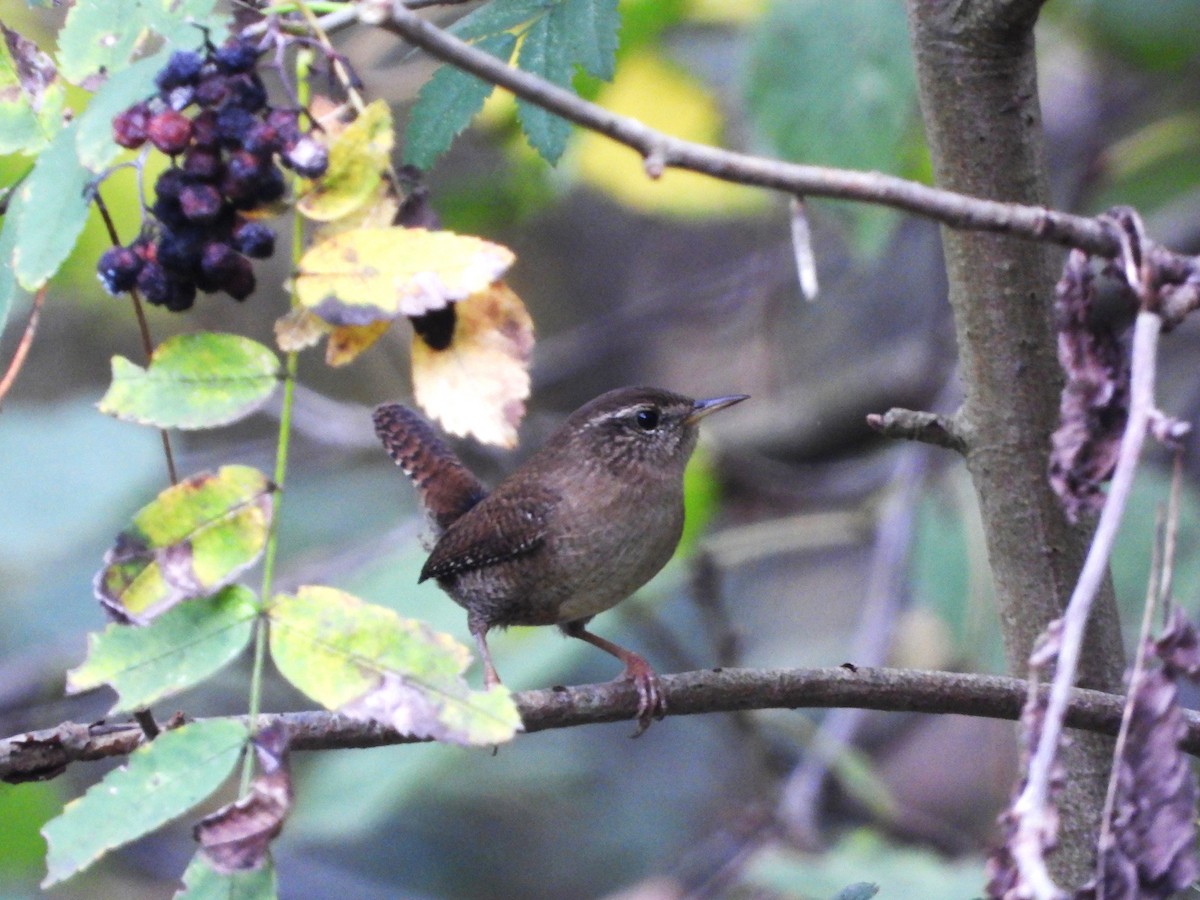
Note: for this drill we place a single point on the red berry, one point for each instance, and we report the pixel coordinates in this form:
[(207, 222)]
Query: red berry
[(129, 127), (170, 131)]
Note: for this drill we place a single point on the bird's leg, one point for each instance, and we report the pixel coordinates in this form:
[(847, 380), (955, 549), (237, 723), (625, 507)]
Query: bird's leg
[(479, 629), (651, 702)]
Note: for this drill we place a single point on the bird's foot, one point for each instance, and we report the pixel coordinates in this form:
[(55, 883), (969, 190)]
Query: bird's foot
[(652, 704)]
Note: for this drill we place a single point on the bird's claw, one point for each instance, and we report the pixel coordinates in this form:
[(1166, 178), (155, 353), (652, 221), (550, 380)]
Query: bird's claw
[(652, 703)]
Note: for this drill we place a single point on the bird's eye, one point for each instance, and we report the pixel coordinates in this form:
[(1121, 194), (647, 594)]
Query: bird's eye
[(647, 419)]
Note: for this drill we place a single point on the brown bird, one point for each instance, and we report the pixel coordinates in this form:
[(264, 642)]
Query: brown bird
[(584, 523)]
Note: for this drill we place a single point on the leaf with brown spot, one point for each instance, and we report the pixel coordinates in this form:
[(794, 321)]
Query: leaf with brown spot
[(370, 663), (237, 837), (190, 541), (478, 384), (348, 341)]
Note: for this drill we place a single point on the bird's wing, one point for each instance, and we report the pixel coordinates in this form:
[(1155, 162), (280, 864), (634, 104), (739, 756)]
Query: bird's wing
[(446, 487), (498, 529)]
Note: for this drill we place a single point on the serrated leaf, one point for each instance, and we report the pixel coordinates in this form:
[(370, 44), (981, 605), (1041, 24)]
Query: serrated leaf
[(94, 140), (8, 244), (193, 381), (180, 648), (161, 781), (591, 26), (190, 541), (53, 211), (498, 16), (478, 385), (32, 97), (202, 882), (358, 154), (373, 274), (99, 36), (546, 52), (447, 103), (369, 663)]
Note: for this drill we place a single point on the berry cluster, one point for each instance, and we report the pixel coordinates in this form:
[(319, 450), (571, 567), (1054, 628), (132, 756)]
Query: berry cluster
[(212, 118)]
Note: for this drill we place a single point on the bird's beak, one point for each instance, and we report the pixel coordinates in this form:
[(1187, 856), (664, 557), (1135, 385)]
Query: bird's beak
[(701, 408)]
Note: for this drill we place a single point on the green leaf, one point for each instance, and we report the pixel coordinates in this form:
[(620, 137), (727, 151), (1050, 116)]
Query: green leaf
[(190, 541), (499, 16), (94, 141), (53, 211), (24, 809), (193, 381), (447, 103), (813, 63), (591, 27), (8, 244), (546, 53), (161, 781), (180, 648), (202, 882), (100, 36), (32, 97), (367, 662)]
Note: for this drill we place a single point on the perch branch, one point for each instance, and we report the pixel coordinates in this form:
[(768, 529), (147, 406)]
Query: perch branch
[(45, 754)]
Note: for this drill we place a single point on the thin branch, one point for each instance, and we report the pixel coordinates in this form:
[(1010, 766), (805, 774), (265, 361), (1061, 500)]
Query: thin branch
[(917, 425), (1031, 807), (44, 754), (947, 207), (22, 351)]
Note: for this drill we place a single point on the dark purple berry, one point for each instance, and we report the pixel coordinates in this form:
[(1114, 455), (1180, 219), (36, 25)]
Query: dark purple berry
[(307, 158), (262, 139), (286, 123), (212, 90), (181, 296), (236, 55), (248, 92), (233, 124), (200, 202), (170, 131), (204, 130), (118, 268), (203, 164), (270, 186), (180, 250), (154, 284), (129, 127), (183, 68), (227, 270), (242, 194), (170, 182), (253, 239), (245, 166)]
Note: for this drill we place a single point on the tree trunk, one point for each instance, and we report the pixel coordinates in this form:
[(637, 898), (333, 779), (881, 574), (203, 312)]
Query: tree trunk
[(978, 84)]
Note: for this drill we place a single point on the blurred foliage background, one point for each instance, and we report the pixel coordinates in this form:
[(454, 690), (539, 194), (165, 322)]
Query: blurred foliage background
[(820, 542)]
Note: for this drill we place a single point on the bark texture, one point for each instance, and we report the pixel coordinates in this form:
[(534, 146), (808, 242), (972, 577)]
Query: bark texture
[(978, 82)]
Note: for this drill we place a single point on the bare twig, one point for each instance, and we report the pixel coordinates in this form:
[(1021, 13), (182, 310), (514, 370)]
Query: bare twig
[(917, 425), (22, 351), (1031, 807), (46, 753), (802, 248), (947, 207)]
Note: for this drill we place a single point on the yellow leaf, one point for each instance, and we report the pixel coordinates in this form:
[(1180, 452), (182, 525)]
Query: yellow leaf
[(348, 341), (377, 211), (371, 274), (358, 155), (651, 90), (478, 385)]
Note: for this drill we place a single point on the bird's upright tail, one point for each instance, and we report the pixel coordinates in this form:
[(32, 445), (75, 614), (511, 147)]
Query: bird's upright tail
[(446, 487)]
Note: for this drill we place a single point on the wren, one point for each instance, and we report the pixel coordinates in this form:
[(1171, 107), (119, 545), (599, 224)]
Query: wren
[(585, 522)]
